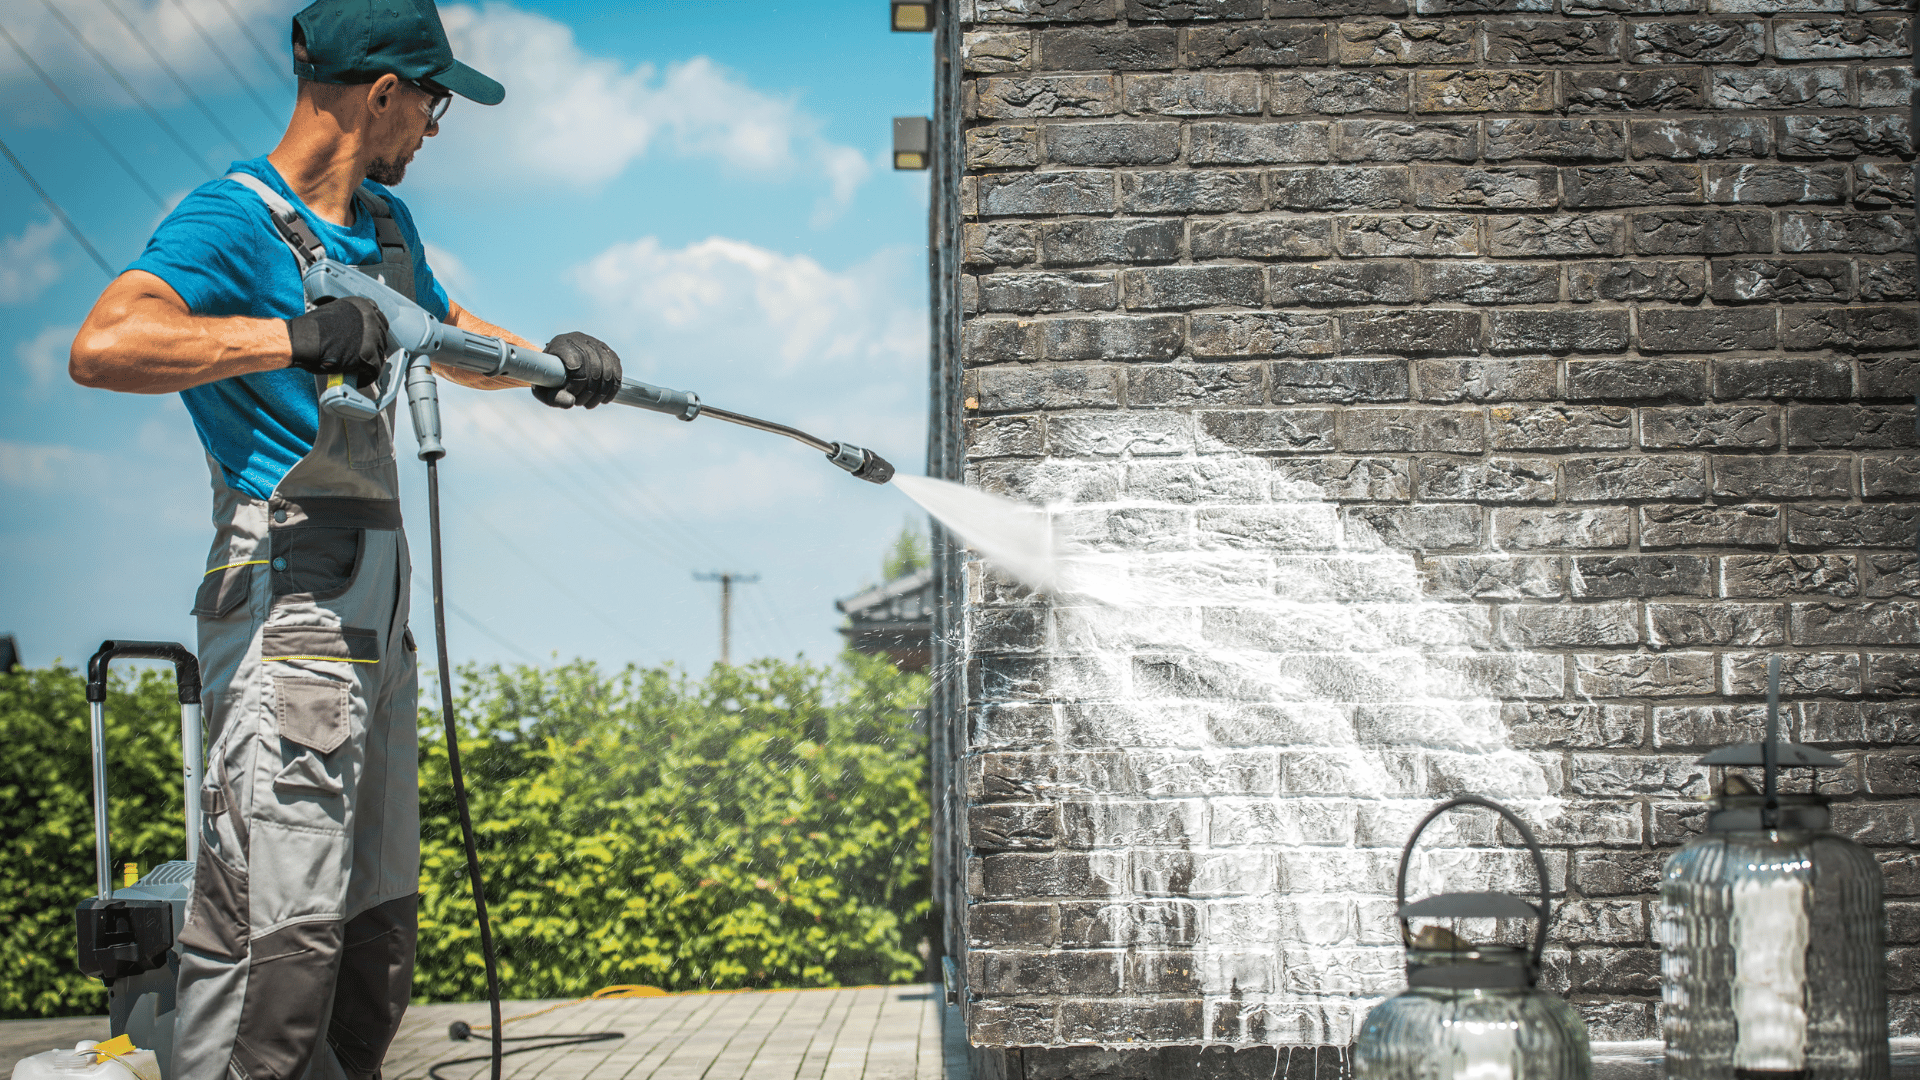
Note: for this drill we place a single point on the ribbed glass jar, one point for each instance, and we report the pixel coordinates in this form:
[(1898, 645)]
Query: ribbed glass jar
[(1771, 950), (1489, 1033)]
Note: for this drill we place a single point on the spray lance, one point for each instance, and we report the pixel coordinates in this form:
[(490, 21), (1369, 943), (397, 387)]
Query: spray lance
[(420, 341)]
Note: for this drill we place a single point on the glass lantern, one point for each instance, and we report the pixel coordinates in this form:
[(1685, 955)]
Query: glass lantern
[(1472, 1011), (1771, 932)]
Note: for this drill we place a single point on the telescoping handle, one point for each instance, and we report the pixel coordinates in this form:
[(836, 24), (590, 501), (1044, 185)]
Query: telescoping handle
[(1478, 905), (186, 673)]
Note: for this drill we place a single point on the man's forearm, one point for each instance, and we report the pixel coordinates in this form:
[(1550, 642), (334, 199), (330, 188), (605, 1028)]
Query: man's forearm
[(141, 338), (467, 320)]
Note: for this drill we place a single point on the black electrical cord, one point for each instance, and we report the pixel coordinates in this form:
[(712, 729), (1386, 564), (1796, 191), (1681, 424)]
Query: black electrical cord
[(453, 770), (550, 1042)]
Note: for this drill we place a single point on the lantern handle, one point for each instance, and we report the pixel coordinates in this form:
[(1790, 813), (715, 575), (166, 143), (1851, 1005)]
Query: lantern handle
[(1544, 912)]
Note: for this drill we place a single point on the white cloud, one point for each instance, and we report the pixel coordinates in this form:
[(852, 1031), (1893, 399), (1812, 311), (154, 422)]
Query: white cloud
[(577, 118), (45, 354), (48, 467), (27, 265), (449, 271)]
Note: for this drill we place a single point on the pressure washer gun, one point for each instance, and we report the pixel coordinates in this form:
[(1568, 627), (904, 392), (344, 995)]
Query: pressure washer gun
[(423, 340)]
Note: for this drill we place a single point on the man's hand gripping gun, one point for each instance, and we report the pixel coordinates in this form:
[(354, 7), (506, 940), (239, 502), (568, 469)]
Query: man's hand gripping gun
[(421, 340)]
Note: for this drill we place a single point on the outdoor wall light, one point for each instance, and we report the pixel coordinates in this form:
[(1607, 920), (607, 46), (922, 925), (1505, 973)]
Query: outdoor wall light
[(913, 16), (912, 142)]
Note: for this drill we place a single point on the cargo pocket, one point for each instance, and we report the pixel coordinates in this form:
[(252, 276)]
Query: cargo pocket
[(224, 588), (316, 561), (314, 716), (370, 442)]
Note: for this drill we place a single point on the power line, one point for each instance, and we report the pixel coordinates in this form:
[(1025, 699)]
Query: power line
[(141, 40), (272, 64), (192, 154), (84, 122), (497, 639), (530, 563), (227, 61), (57, 212)]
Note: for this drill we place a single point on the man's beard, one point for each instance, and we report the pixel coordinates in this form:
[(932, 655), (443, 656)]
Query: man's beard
[(387, 171)]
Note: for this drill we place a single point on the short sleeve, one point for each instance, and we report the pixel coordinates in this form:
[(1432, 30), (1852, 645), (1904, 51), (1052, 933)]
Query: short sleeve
[(224, 259)]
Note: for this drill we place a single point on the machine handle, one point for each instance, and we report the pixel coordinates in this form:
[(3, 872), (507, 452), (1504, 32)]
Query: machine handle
[(186, 666), (186, 673)]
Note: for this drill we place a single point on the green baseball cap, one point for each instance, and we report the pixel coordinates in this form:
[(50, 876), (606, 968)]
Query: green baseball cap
[(350, 42)]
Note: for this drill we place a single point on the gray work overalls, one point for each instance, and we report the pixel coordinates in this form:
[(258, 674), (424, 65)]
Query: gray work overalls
[(300, 933)]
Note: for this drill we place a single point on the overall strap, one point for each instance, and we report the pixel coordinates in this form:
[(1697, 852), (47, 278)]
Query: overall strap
[(396, 257), (294, 230)]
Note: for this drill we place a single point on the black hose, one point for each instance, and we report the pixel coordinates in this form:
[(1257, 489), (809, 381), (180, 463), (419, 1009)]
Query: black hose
[(453, 769), (551, 1042)]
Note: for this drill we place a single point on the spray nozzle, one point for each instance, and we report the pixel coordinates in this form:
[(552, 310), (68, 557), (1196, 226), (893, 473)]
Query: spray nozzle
[(864, 464)]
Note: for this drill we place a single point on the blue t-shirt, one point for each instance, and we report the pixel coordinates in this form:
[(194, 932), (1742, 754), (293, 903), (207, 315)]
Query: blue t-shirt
[(220, 252)]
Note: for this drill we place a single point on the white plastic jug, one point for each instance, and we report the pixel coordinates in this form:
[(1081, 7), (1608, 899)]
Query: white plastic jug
[(80, 1064)]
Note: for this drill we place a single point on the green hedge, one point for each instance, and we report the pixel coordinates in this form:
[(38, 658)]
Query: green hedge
[(766, 826)]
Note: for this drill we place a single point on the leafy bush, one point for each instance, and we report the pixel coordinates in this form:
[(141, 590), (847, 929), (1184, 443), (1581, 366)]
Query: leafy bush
[(766, 826)]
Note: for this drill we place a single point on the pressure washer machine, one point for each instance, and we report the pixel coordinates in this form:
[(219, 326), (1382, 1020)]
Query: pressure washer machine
[(127, 936)]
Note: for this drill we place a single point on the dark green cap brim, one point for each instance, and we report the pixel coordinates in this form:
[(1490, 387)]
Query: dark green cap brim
[(469, 84)]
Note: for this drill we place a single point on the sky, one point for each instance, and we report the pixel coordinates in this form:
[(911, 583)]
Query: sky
[(704, 184)]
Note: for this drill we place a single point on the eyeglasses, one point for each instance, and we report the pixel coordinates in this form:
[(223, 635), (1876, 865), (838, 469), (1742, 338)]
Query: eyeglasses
[(440, 101)]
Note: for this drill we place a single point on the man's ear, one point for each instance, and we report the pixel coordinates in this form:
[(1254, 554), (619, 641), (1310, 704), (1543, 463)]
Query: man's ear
[(383, 93)]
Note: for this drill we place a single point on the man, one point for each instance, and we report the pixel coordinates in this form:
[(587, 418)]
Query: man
[(300, 932)]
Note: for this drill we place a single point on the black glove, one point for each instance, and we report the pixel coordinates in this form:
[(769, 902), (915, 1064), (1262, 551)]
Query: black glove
[(348, 337), (593, 372)]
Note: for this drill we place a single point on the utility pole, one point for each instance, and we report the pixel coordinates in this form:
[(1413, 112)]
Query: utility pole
[(726, 578)]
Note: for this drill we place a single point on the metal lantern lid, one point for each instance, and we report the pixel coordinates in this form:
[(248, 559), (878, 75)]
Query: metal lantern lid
[(1475, 967), (1768, 809)]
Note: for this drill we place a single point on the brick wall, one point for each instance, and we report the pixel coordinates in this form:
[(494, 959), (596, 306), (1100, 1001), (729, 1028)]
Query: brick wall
[(1464, 398)]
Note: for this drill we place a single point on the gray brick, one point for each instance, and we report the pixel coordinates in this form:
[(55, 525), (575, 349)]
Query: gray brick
[(1384, 430), (1152, 337), (1187, 192), (1607, 576), (1633, 91), (1515, 90), (1492, 480), (1345, 478), (1137, 49), (1207, 94), (1891, 280), (1025, 11), (1841, 39), (1172, 822), (1889, 377), (1258, 143), (1748, 525), (1636, 280), (1677, 626), (1085, 290), (1556, 140), (988, 52), (1249, 528), (1113, 144), (1561, 427), (1560, 529), (1402, 141), (1340, 188), (1098, 924), (1013, 98), (1778, 88), (1852, 526), (1023, 389), (1004, 436), (1047, 193), (1739, 281), (1636, 478), (1882, 186), (1636, 380), (1257, 45), (1111, 435), (1415, 528), (1560, 234), (996, 972), (1552, 41), (1703, 137), (1410, 333), (1262, 238), (1017, 1021), (1489, 283), (1331, 93), (1450, 187), (1297, 382), (1570, 625), (1186, 10), (1721, 427), (1702, 232), (1789, 575), (1776, 184), (1369, 41), (1003, 147), (1859, 233), (1181, 287), (1495, 577), (988, 340), (1631, 185), (1209, 384), (1706, 330), (1774, 477), (1333, 284), (1559, 331), (1408, 234), (1640, 675), (1800, 673), (1706, 41), (1330, 9), (1884, 87), (1851, 427), (1013, 828), (1871, 623), (1618, 873), (1844, 136), (1019, 876), (1265, 430), (999, 243), (1896, 474), (1453, 381), (1858, 329), (1629, 7), (1260, 333), (1892, 673), (1109, 240), (1457, 7)]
